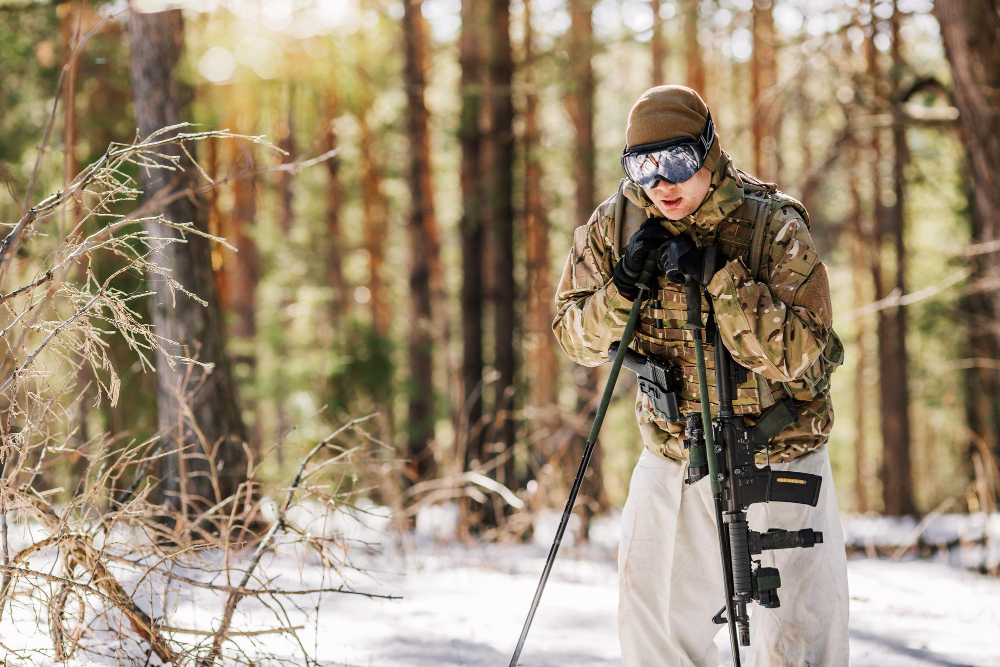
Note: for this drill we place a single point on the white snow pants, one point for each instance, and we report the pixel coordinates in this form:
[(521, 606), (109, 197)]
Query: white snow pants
[(670, 574)]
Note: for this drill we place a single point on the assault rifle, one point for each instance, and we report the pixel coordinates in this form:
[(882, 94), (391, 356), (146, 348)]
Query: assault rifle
[(724, 452)]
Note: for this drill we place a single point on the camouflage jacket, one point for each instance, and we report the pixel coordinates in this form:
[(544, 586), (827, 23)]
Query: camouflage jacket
[(777, 323)]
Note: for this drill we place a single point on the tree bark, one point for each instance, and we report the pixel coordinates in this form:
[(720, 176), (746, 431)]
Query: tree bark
[(470, 412), (216, 225), (286, 142), (423, 248), (245, 268), (540, 288), (340, 303), (500, 68), (71, 27), (969, 29), (763, 76), (581, 103), (188, 396), (244, 265), (897, 478), (896, 466), (695, 64), (373, 207), (657, 44), (858, 269)]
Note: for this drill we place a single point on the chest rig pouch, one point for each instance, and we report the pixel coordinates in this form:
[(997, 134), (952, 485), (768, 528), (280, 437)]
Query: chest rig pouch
[(660, 332)]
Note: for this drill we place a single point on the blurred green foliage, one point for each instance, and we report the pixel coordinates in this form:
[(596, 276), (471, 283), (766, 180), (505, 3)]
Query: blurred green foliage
[(309, 367)]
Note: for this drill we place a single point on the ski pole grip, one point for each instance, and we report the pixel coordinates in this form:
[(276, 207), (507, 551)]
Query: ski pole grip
[(645, 281), (692, 295)]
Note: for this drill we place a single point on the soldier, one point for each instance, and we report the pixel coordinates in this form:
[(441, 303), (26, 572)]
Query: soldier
[(771, 301)]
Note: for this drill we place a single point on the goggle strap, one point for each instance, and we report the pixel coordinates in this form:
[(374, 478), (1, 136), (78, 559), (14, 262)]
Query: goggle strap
[(707, 136)]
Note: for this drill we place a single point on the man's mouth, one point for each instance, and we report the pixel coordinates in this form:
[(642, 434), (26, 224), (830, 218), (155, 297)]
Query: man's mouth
[(671, 203)]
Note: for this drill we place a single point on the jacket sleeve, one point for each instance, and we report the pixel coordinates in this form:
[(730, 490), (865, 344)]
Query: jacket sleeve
[(778, 328), (590, 313)]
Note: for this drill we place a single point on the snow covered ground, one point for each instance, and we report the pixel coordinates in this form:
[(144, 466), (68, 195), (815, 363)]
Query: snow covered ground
[(465, 606)]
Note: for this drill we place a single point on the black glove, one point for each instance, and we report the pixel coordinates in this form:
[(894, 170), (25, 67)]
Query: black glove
[(679, 258), (644, 243)]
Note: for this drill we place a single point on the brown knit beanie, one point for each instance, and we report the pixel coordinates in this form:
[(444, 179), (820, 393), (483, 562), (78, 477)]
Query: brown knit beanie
[(670, 112)]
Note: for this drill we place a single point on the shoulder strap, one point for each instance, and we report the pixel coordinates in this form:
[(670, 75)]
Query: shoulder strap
[(616, 232), (760, 193), (751, 182), (761, 198), (769, 201), (760, 220), (627, 219)]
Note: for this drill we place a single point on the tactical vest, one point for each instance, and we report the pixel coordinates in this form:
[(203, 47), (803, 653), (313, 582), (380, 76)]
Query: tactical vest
[(661, 333)]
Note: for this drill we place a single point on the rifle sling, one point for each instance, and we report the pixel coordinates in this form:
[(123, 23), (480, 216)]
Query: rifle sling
[(755, 257)]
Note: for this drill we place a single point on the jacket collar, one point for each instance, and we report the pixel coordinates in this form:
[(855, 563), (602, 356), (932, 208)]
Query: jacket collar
[(725, 194)]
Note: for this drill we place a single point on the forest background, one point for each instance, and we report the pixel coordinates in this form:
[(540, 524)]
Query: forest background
[(410, 270)]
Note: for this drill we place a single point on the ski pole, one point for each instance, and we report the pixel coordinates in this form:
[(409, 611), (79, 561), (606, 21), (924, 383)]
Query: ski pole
[(644, 285), (693, 292)]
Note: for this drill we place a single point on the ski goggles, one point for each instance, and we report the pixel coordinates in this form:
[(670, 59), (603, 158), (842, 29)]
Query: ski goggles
[(674, 161)]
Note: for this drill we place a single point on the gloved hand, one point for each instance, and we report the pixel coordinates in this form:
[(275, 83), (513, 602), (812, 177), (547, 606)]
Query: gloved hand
[(680, 257), (644, 243)]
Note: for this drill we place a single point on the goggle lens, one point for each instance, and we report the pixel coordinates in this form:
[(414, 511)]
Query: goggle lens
[(675, 164)]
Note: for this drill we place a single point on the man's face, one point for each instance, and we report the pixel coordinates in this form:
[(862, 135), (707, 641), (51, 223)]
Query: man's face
[(676, 200)]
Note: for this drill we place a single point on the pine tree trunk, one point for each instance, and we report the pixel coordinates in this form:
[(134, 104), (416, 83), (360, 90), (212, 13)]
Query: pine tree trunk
[(657, 44), (803, 179), (244, 264), (581, 101), (470, 412), (340, 303), (214, 221), (71, 28), (763, 76), (897, 474), (157, 41), (693, 55), (969, 29), (423, 249), (859, 246), (500, 68), (896, 466), (286, 142), (245, 268), (373, 207), (541, 291), (218, 225)]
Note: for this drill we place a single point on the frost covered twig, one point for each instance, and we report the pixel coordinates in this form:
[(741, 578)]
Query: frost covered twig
[(278, 525), (112, 535)]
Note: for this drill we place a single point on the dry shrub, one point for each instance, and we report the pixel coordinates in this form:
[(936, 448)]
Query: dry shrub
[(108, 569)]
